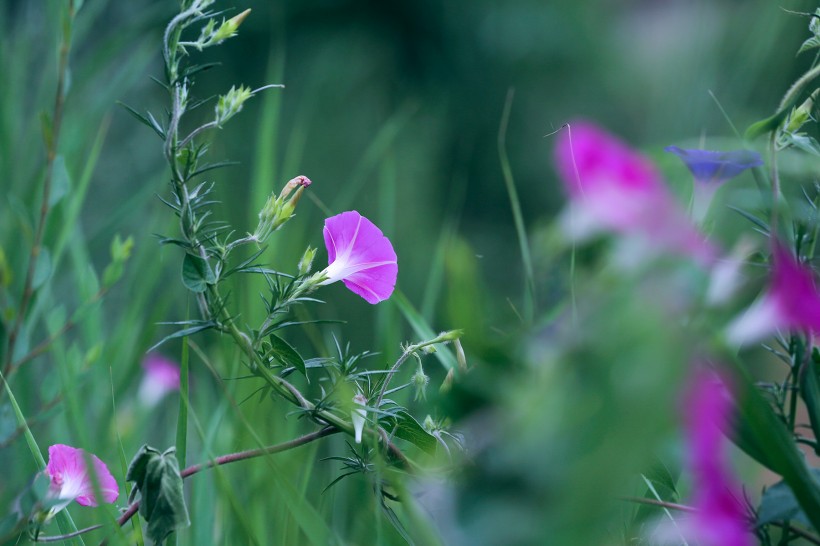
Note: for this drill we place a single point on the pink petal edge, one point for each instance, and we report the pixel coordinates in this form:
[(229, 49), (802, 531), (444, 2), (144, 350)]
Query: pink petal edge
[(360, 256)]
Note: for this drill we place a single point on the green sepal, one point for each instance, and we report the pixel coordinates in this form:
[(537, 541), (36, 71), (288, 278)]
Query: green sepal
[(158, 481)]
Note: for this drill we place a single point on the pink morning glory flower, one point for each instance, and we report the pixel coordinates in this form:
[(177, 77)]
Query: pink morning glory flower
[(70, 479), (614, 188), (160, 377), (710, 169), (791, 302), (360, 256), (720, 517)]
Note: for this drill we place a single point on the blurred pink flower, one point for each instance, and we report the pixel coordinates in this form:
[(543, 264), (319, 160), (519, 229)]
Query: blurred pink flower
[(360, 256), (720, 515), (791, 302), (70, 479), (160, 377), (614, 188)]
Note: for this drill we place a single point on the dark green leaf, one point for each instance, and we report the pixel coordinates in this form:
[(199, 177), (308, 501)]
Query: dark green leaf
[(810, 392), (144, 120), (407, 428), (185, 332), (157, 479), (777, 504), (282, 351), (196, 273), (764, 436)]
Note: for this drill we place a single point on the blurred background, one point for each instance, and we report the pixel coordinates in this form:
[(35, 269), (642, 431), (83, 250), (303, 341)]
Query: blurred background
[(393, 109)]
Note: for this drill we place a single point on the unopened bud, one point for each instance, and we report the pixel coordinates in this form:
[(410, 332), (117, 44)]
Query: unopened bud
[(461, 358), (278, 210), (420, 381), (451, 335), (358, 416), (228, 28), (231, 103), (307, 261), (447, 384), (429, 424)]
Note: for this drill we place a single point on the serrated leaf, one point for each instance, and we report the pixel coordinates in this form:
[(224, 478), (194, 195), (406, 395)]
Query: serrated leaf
[(196, 273), (60, 181), (407, 428), (157, 479), (42, 271), (282, 351)]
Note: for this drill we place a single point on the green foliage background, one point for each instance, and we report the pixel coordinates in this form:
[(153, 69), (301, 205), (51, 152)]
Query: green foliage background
[(392, 109)]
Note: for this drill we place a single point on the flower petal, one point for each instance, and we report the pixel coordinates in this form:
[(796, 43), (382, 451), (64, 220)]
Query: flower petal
[(160, 378), (360, 255), (70, 479), (615, 188), (710, 167), (720, 517)]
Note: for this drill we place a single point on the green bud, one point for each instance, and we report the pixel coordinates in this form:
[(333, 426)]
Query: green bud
[(451, 335), (231, 103), (429, 424), (420, 381), (307, 261), (279, 209), (800, 115), (228, 28)]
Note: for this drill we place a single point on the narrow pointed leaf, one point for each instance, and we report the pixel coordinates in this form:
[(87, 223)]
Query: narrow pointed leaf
[(284, 352)]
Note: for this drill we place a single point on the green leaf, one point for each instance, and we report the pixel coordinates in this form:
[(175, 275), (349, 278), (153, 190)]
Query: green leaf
[(60, 181), (196, 273), (157, 479), (43, 270), (407, 428), (811, 43), (5, 270), (764, 436), (284, 352), (200, 326), (8, 424), (803, 142), (810, 392), (778, 503)]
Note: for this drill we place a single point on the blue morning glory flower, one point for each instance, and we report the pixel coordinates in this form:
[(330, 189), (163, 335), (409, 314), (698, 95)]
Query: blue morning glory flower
[(710, 167)]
